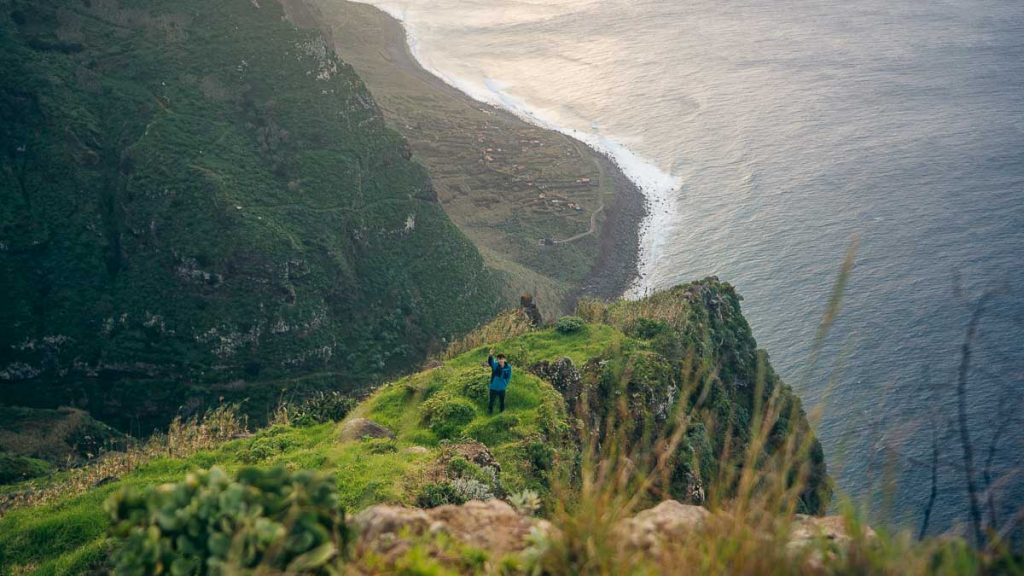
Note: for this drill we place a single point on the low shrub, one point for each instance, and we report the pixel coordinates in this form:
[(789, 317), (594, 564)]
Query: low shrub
[(265, 447), (498, 429), (459, 467), (570, 325), (381, 446), (540, 455), (647, 328), (457, 491), (438, 494), (471, 489), (447, 415), (320, 407), (472, 481), (213, 523)]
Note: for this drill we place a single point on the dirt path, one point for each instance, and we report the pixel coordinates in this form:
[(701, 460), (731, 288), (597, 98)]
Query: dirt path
[(593, 227), (602, 181)]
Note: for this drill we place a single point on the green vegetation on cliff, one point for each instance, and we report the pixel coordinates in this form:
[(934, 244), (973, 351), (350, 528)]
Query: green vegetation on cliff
[(426, 439), (199, 200)]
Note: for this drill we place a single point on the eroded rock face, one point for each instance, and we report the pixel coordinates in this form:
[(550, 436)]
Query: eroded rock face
[(564, 377), (359, 428), (492, 525)]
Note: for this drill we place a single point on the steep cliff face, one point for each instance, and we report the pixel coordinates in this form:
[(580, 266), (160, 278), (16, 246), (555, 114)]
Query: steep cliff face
[(698, 366), (199, 200)]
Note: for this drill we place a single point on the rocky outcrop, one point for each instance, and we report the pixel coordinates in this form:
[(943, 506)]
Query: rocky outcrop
[(475, 452), (390, 531), (808, 529), (530, 309), (564, 377), (492, 525), (359, 428), (669, 521)]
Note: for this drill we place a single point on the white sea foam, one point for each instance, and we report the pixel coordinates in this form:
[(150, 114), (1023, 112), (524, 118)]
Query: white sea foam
[(657, 186)]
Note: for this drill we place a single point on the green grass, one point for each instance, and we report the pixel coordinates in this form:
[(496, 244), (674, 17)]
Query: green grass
[(68, 535), (632, 382)]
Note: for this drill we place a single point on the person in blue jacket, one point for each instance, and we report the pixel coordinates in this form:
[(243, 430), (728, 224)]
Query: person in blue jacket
[(501, 373)]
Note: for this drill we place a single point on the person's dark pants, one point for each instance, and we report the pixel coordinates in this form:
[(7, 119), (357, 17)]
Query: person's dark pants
[(500, 395)]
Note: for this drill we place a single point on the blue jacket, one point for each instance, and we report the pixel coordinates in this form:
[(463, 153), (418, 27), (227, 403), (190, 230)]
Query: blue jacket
[(499, 376)]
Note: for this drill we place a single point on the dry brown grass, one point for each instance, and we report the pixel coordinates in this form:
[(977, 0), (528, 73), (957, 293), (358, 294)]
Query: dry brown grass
[(747, 533), (505, 326), (183, 438)]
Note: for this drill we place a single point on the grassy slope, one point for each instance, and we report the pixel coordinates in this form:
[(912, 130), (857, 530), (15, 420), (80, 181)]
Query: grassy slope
[(199, 200), (70, 532), (490, 168)]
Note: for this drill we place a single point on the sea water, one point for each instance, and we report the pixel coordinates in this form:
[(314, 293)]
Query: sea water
[(770, 135)]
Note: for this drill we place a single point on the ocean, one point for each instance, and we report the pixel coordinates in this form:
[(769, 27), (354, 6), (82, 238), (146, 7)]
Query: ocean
[(767, 137)]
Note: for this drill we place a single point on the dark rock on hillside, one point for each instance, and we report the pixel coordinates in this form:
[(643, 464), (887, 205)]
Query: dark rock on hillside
[(529, 307), (563, 376), (359, 428), (65, 436)]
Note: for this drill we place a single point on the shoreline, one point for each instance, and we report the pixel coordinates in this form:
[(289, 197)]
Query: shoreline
[(622, 236), (655, 185)]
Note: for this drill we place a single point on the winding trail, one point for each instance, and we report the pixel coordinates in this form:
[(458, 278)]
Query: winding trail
[(593, 227), (601, 179)]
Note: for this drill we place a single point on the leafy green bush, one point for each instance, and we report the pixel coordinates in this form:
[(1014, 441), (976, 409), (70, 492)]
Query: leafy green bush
[(321, 407), (265, 447), (438, 494), (457, 491), (540, 455), (495, 430), (570, 325), (647, 328), (459, 467), (212, 523), (447, 415)]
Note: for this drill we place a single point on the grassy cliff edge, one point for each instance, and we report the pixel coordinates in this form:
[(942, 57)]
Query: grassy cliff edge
[(627, 371)]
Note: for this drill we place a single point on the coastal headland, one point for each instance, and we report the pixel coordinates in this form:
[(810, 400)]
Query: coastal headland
[(554, 216)]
